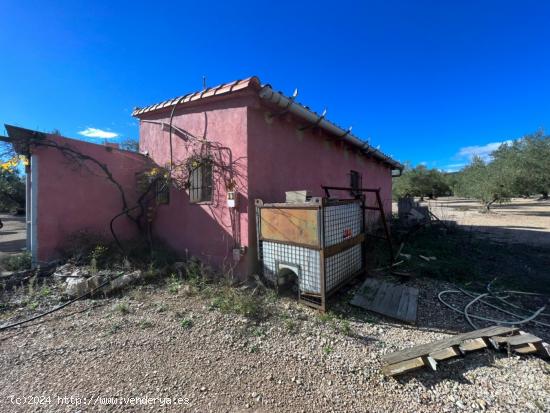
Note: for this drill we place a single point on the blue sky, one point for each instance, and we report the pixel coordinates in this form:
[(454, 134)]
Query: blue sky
[(429, 81)]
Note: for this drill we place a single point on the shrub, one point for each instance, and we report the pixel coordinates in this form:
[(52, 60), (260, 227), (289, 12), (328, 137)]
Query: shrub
[(17, 262), (230, 300), (345, 328), (79, 246), (99, 257), (45, 291), (122, 308), (87, 248), (174, 284)]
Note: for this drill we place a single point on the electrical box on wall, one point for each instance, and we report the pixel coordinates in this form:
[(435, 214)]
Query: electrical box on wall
[(232, 199)]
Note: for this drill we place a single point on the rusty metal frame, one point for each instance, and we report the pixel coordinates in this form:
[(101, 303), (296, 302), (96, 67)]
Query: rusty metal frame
[(380, 208), (317, 301)]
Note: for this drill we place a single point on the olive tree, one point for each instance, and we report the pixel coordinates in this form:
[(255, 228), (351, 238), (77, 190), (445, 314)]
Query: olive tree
[(420, 181)]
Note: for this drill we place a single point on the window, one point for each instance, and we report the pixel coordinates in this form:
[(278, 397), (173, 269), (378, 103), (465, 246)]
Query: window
[(162, 191), (200, 182), (154, 182), (355, 183)]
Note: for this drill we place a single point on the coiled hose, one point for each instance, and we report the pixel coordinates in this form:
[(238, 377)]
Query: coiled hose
[(520, 319)]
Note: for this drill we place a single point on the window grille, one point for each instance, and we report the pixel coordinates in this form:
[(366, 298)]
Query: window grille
[(163, 191), (200, 182), (159, 186)]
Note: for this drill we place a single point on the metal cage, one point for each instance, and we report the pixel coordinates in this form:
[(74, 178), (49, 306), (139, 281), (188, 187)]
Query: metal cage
[(319, 241)]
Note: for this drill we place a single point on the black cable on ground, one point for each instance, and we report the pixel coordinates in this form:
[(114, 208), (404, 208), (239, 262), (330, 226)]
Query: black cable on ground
[(2, 328)]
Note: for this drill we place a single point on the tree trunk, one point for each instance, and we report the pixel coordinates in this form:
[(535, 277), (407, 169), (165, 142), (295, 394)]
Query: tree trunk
[(544, 195), (488, 205)]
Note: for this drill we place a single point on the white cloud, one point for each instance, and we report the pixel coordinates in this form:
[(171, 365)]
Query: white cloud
[(483, 151), (97, 133), (453, 167)]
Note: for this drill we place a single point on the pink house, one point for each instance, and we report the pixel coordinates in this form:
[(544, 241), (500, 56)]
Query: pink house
[(224, 147)]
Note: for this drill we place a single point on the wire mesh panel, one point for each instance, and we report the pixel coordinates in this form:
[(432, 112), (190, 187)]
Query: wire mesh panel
[(322, 266), (306, 260), (340, 267), (342, 222)]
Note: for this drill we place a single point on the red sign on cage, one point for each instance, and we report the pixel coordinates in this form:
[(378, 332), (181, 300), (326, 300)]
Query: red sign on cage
[(347, 233)]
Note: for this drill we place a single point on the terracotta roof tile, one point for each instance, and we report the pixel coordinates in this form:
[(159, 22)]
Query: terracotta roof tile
[(254, 82), (224, 88)]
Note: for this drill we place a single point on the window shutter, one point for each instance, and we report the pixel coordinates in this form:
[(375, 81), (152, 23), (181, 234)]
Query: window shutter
[(355, 183)]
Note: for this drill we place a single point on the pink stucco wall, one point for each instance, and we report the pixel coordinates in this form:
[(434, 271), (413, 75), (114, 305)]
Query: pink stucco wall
[(264, 156), (283, 158), (272, 157), (208, 231), (71, 198)]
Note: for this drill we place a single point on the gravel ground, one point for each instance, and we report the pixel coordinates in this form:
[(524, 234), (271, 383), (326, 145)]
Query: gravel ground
[(159, 344)]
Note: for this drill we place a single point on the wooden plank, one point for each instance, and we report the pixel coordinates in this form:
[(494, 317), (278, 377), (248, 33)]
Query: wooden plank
[(526, 348), (403, 366), (544, 349), (408, 305), (382, 306), (430, 362), (446, 353), (366, 293), (523, 343), (393, 300), (392, 305), (408, 365), (473, 344), (406, 360), (370, 288), (335, 249), (421, 350), (380, 296), (413, 305), (403, 306), (517, 339), (290, 225)]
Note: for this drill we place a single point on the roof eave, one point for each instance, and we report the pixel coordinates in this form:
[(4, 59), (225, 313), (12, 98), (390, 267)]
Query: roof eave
[(267, 94), (220, 90)]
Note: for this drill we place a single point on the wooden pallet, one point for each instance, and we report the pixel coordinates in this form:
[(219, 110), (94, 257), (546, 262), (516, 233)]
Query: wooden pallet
[(498, 338), (393, 300)]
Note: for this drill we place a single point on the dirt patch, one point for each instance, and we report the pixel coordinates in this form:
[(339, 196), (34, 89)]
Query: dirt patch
[(521, 221)]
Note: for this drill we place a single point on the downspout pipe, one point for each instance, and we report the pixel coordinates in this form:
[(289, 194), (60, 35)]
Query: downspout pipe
[(269, 95)]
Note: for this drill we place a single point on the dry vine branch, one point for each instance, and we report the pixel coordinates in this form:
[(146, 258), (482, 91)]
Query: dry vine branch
[(80, 159), (76, 156)]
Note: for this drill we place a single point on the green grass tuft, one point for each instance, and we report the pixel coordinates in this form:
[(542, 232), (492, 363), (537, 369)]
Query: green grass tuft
[(186, 323), (122, 308), (230, 300), (328, 349)]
